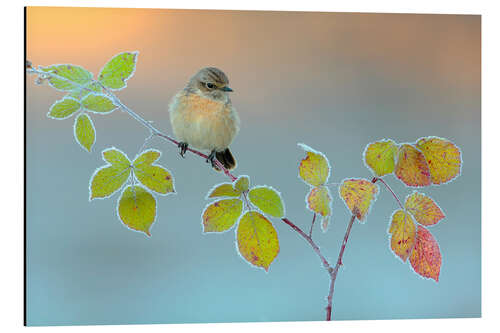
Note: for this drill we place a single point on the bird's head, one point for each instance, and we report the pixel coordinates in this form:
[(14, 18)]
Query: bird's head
[(210, 82)]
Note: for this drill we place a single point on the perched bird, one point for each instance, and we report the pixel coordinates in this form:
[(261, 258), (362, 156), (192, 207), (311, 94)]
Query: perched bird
[(202, 116)]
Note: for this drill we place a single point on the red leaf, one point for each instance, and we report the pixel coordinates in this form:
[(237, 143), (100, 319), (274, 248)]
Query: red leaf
[(426, 257)]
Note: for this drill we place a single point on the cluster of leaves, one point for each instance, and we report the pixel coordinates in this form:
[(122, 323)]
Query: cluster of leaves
[(84, 95), (256, 238), (430, 160)]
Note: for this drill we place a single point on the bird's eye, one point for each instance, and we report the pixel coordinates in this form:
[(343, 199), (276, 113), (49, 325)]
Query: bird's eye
[(210, 85)]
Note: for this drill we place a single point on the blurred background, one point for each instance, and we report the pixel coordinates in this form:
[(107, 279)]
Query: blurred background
[(335, 81)]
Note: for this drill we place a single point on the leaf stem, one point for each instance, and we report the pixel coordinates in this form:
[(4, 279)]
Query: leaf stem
[(376, 179), (312, 225)]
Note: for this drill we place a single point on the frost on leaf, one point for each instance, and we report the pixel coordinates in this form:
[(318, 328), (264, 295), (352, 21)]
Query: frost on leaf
[(412, 168), (110, 178), (223, 190), (380, 157), (314, 169), (63, 108), (221, 215), (137, 208), (319, 201), (257, 240), (268, 200), (423, 209), (98, 103), (241, 184), (426, 257), (118, 70), (72, 77), (80, 93), (154, 177), (403, 232), (443, 157), (358, 195), (84, 131)]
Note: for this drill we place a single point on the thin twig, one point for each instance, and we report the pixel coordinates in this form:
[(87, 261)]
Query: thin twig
[(312, 225), (376, 179)]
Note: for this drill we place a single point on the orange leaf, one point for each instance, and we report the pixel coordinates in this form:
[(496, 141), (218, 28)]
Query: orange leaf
[(403, 232), (358, 195), (319, 201), (412, 168), (443, 157), (423, 209), (426, 257)]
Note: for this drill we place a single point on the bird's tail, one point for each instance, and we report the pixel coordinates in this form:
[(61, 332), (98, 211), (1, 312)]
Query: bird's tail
[(226, 158)]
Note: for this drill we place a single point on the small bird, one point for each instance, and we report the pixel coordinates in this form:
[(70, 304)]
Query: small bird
[(202, 116)]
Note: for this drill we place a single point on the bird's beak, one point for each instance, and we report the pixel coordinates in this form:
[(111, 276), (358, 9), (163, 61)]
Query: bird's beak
[(226, 88)]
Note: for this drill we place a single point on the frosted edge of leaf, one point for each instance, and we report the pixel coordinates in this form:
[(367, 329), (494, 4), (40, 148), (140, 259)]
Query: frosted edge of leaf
[(207, 196), (389, 238), (433, 201), (366, 148), (279, 195), (60, 100), (147, 151), (238, 179), (413, 187), (124, 224), (102, 95), (112, 148), (440, 266), (375, 196), (136, 54), (159, 193), (330, 204), (312, 150), (42, 68), (203, 232), (74, 133), (90, 184), (459, 151)]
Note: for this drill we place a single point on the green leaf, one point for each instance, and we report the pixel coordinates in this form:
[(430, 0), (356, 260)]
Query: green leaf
[(80, 93), (154, 177), (380, 156), (63, 108), (118, 70), (257, 240), (241, 184), (223, 190), (221, 215), (315, 168), (98, 103), (137, 208), (75, 76), (84, 131), (110, 178), (268, 200)]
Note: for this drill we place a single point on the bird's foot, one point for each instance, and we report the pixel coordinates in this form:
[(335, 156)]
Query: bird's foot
[(211, 159), (183, 148)]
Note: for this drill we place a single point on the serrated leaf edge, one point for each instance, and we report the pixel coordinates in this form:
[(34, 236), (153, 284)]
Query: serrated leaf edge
[(279, 195), (136, 54), (221, 232)]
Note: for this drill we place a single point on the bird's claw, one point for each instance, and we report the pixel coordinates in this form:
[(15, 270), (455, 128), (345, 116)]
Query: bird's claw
[(183, 148), (211, 159)]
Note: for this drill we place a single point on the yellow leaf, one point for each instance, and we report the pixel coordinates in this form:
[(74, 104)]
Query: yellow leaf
[(358, 195), (64, 108), (84, 132), (221, 215), (223, 190), (116, 157), (443, 157), (154, 177), (137, 208), (412, 168), (314, 169), (319, 201), (268, 200), (110, 178), (257, 240), (242, 183), (403, 232), (423, 209), (426, 257), (147, 157), (380, 157)]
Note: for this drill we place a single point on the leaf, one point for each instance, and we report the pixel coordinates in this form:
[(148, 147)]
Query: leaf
[(223, 190), (319, 201), (242, 184), (221, 215), (137, 208), (403, 232), (268, 200), (380, 157), (84, 131), (314, 169), (98, 103), (412, 168), (110, 178), (257, 240), (63, 108), (154, 177), (80, 93), (423, 209), (444, 158), (358, 195), (118, 70), (426, 257), (75, 76)]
